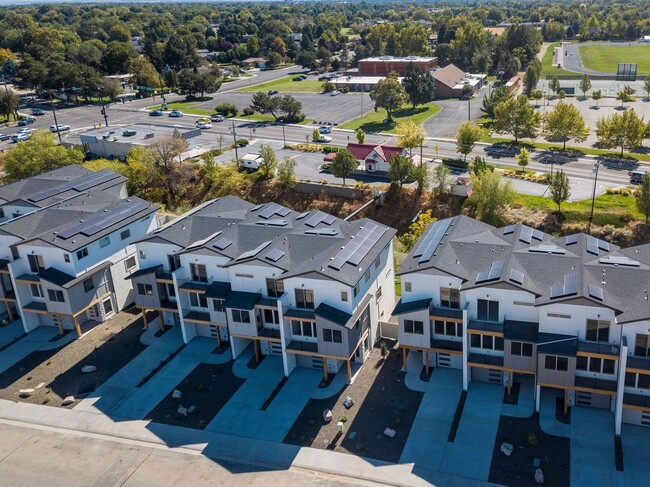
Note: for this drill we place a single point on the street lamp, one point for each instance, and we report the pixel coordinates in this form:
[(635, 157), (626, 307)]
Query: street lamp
[(593, 196), (56, 124), (284, 139), (234, 135)]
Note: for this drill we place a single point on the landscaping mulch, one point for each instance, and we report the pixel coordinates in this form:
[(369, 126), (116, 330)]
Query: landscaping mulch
[(517, 470), (109, 347), (381, 400), (559, 411), (208, 388)]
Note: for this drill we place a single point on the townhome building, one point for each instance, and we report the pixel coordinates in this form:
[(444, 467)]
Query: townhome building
[(512, 304), (64, 263), (308, 286)]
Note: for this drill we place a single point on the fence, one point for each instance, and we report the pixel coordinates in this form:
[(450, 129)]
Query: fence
[(339, 191)]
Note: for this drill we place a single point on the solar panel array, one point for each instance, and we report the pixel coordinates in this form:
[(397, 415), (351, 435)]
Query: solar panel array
[(274, 209), (620, 260), (106, 219), (80, 184), (328, 232), (516, 276), (320, 217), (494, 273), (273, 223), (571, 239), (567, 288), (275, 255), (528, 233), (431, 240), (302, 215), (509, 229), (359, 246), (222, 243), (596, 292), (547, 249), (594, 245), (254, 252)]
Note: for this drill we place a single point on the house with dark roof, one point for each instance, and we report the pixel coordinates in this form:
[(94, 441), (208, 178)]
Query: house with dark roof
[(307, 287), (65, 260), (553, 316)]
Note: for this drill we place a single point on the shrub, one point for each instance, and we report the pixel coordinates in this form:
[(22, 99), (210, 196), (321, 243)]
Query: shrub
[(242, 142), (226, 109)]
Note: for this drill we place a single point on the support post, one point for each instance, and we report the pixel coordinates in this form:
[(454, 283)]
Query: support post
[(257, 352), (10, 315), (426, 362), (76, 325), (349, 372), (162, 320), (509, 383), (566, 401), (538, 392), (59, 322), (218, 338), (144, 318), (325, 374), (404, 358)]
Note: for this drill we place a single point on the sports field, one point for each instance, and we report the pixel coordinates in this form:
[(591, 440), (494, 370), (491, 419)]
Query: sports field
[(288, 85), (604, 57)]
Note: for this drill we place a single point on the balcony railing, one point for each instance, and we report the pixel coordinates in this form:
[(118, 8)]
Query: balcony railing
[(592, 383), (485, 326), (451, 345), (637, 400), (439, 312), (484, 359), (595, 348)]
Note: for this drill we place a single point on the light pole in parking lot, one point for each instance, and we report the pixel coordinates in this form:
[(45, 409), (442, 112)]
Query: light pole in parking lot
[(234, 135), (593, 196), (284, 138), (56, 124)]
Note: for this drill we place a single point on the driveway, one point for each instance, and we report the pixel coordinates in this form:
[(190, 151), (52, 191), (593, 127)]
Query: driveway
[(26, 345), (11, 332), (454, 112), (635, 454), (592, 448)]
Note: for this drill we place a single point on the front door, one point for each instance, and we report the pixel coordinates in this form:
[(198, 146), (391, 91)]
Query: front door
[(108, 307)]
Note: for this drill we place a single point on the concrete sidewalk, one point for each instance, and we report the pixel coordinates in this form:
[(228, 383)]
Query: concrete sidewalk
[(592, 447), (11, 332), (26, 345), (635, 454)]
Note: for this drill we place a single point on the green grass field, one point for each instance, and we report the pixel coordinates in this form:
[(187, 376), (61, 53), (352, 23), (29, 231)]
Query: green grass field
[(372, 121), (606, 58), (185, 107), (547, 63), (286, 85)]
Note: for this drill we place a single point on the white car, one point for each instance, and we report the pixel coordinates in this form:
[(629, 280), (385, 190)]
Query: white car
[(335, 92), (203, 125), (175, 114), (59, 128), (325, 129), (325, 138), (20, 136)]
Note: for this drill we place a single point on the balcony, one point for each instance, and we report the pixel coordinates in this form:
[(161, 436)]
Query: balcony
[(300, 347), (484, 360), (636, 401), (200, 317), (485, 327), (595, 384), (447, 346), (271, 334), (165, 278), (596, 349), (449, 314), (638, 363)]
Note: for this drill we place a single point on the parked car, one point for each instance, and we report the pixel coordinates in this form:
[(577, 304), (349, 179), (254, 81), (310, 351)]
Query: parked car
[(38, 111), (25, 130), (203, 125), (4, 137), (272, 92), (636, 177), (26, 121), (325, 129), (155, 113), (175, 114), (59, 128), (19, 137), (335, 92), (297, 78), (325, 138), (217, 118)]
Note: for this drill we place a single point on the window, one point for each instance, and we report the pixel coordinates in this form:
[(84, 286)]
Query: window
[(630, 379), (486, 342), (198, 273), (332, 336), (303, 328), (597, 330), (174, 262), (143, 254), (2, 213), (521, 349), (15, 255), (355, 291), (145, 289), (523, 303), (558, 315), (413, 326), (66, 257), (171, 292), (448, 328), (124, 234), (305, 298), (643, 381), (245, 276), (56, 296), (82, 253), (366, 276), (271, 316), (217, 304), (344, 296), (642, 345), (198, 300), (89, 285), (594, 364), (241, 316), (130, 263), (37, 290), (378, 293), (487, 310), (103, 242), (274, 287), (407, 287), (377, 261), (582, 363), (449, 298), (553, 362), (36, 263)]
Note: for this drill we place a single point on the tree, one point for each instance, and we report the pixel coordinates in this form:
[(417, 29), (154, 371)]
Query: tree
[(478, 166), (523, 158), (269, 161), (286, 173), (442, 179), (117, 57), (291, 108), (554, 84), (626, 131), (560, 188), (416, 229), (253, 46), (536, 95), (275, 59), (306, 59), (420, 87), (144, 73), (625, 95), (264, 103), (360, 135), (515, 116), (413, 40), (642, 197), (490, 197), (401, 170), (564, 122), (315, 135), (646, 87), (531, 77), (499, 95), (389, 95), (467, 135), (343, 164), (585, 85), (410, 135), (596, 95), (38, 154), (167, 151), (421, 176), (9, 102)]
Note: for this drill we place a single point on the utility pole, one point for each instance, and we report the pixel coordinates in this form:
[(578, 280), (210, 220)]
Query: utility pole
[(284, 139), (234, 136), (593, 197), (101, 98), (56, 124)]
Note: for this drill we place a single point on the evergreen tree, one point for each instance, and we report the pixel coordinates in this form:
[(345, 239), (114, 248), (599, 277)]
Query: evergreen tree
[(560, 188)]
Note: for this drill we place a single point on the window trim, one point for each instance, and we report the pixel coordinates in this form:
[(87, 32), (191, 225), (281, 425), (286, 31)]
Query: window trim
[(414, 327), (82, 253), (87, 289)]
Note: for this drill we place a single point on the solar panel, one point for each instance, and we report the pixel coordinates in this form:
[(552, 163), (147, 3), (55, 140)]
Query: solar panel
[(494, 273), (254, 252), (271, 210), (567, 288), (596, 292), (222, 243), (320, 217), (547, 249), (431, 240), (329, 232), (79, 184), (273, 223), (602, 245), (105, 220), (571, 239), (255, 208), (537, 235), (526, 234), (509, 229), (516, 276), (358, 247), (620, 260), (275, 255), (592, 245), (302, 215)]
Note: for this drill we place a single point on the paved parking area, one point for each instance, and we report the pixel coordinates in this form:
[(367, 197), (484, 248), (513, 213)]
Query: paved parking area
[(11, 332), (592, 448), (26, 345), (635, 454), (454, 113)]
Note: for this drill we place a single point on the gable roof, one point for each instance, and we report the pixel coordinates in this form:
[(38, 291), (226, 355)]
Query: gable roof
[(385, 151), (449, 76)]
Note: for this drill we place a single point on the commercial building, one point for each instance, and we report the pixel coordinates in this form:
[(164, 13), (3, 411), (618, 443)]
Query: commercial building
[(307, 286), (383, 65), (505, 305), (64, 262), (451, 81)]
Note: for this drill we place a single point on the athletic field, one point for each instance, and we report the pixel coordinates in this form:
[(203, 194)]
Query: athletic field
[(603, 57)]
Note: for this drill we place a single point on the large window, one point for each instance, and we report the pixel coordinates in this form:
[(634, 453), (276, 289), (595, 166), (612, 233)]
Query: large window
[(198, 300), (642, 345), (89, 285), (271, 316), (125, 234), (449, 328), (305, 298), (486, 342), (37, 290), (597, 330), (82, 253), (36, 263), (217, 304), (198, 273), (174, 262), (332, 336), (641, 381), (130, 263), (104, 241), (594, 364), (145, 289), (487, 310), (303, 329), (274, 288), (449, 298), (521, 349), (241, 316), (414, 326), (553, 362), (56, 296)]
